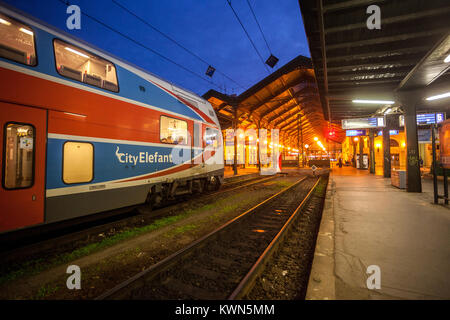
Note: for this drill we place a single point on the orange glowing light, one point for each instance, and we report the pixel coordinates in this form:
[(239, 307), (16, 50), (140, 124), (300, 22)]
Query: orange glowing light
[(259, 231)]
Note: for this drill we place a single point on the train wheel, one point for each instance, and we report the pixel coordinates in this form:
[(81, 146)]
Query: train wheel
[(215, 183)]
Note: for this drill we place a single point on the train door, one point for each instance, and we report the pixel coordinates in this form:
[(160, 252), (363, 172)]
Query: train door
[(197, 148), (23, 143)]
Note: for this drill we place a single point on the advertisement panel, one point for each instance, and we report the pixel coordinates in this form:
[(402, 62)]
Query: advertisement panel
[(444, 139)]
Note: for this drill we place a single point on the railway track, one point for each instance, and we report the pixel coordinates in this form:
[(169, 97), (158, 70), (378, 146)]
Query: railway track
[(224, 263), (38, 243)]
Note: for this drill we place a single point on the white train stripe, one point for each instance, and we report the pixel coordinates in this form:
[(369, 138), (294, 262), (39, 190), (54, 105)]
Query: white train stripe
[(105, 140), (45, 76)]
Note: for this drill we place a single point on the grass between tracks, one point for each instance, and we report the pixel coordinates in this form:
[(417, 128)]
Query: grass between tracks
[(33, 267)]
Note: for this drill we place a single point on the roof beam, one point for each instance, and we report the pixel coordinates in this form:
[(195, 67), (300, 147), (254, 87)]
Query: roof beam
[(380, 40), (348, 4), (389, 20)]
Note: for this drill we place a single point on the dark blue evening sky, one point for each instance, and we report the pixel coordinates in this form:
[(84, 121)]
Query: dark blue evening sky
[(208, 28)]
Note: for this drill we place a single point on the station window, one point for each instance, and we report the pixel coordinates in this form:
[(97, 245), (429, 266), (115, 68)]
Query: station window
[(78, 64), (173, 130), (78, 162), (18, 156), (212, 137), (16, 41)]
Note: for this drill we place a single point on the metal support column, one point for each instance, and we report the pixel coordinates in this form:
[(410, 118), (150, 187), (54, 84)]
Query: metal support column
[(413, 181), (302, 142), (298, 140), (371, 151), (386, 150), (257, 146), (361, 152), (235, 124)]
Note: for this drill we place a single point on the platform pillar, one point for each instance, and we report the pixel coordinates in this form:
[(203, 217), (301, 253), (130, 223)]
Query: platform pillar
[(361, 152), (409, 102), (235, 124), (371, 151), (386, 150)]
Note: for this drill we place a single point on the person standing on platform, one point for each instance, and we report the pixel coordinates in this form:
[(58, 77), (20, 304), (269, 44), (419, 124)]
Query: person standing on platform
[(314, 168)]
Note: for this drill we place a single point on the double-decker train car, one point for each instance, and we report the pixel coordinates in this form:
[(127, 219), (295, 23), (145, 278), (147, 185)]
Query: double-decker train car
[(84, 132)]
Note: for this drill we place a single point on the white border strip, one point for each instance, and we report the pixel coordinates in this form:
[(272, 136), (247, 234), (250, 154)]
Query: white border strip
[(80, 86), (106, 140)]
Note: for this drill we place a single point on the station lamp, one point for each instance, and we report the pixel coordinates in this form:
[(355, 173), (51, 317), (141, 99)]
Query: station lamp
[(306, 146), (378, 146), (316, 139)]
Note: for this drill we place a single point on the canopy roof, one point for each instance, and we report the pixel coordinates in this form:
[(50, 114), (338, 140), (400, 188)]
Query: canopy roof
[(276, 102), (353, 62)]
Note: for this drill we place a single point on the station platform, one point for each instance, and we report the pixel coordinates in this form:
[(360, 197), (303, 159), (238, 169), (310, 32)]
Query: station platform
[(366, 221), (243, 173)]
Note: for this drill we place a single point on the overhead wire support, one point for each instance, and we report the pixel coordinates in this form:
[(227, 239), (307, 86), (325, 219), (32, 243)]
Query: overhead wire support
[(248, 36), (174, 41), (67, 3)]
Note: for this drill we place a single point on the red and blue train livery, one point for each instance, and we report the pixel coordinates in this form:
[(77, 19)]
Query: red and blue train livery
[(84, 132)]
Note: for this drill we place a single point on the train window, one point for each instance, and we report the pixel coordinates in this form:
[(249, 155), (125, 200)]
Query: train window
[(18, 156), (173, 130), (78, 162), (212, 137), (16, 41), (78, 64)]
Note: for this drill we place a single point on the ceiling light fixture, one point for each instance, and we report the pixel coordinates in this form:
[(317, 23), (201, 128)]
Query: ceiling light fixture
[(26, 31), (439, 96), (447, 60), (76, 52), (3, 21), (374, 101)]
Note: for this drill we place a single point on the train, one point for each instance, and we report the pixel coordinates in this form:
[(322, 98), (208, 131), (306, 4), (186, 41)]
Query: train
[(84, 132)]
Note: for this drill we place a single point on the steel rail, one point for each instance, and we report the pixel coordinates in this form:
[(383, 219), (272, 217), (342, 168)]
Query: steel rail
[(247, 283), (172, 259)]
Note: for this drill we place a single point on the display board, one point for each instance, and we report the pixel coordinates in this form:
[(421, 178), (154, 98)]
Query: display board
[(363, 123), (424, 119), (444, 140), (355, 133)]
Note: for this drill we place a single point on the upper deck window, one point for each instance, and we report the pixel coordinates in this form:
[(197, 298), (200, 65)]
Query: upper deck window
[(16, 41), (78, 64)]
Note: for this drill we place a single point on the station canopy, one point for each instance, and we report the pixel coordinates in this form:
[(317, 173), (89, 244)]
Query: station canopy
[(352, 62), (276, 102)]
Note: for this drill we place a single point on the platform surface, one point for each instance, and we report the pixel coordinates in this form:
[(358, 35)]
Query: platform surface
[(366, 221)]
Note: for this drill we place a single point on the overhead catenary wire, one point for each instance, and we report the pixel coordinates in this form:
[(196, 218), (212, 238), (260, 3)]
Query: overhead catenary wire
[(174, 41), (259, 26), (248, 36), (67, 3)]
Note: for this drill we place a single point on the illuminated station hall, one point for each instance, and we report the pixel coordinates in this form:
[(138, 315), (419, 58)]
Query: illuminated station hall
[(325, 177)]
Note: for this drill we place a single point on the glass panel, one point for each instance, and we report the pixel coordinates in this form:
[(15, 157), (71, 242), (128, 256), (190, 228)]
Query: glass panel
[(16, 41), (173, 131), (212, 137), (19, 156), (78, 64), (78, 163)]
